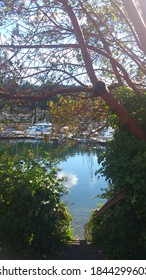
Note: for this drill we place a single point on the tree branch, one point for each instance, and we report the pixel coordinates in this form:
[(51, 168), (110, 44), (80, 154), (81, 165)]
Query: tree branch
[(105, 44), (41, 46), (82, 43), (142, 4), (137, 22)]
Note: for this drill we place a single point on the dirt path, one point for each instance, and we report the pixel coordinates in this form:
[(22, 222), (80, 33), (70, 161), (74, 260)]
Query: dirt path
[(77, 250), (80, 250)]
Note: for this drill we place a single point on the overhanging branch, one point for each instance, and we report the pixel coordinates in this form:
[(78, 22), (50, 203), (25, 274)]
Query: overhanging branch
[(137, 22), (41, 46)]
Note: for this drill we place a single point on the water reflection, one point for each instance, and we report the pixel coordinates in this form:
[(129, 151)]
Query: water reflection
[(78, 165), (70, 179), (83, 185)]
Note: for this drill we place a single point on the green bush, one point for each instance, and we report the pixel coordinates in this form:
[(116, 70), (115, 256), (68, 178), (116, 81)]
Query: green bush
[(33, 220), (121, 231)]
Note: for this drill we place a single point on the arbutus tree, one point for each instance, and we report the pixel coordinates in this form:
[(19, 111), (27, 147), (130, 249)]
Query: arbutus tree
[(83, 46)]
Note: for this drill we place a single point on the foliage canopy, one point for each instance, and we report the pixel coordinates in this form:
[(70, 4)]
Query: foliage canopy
[(75, 44)]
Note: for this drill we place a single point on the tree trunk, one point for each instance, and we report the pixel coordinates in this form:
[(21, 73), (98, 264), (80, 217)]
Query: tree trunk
[(142, 4), (123, 115), (137, 21), (99, 87)]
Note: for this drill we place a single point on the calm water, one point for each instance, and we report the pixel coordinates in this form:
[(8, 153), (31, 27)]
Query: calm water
[(79, 169), (83, 185)]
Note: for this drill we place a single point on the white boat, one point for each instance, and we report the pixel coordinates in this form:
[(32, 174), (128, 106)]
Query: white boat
[(39, 129)]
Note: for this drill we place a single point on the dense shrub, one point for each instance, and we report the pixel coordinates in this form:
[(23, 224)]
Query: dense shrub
[(121, 231), (33, 220)]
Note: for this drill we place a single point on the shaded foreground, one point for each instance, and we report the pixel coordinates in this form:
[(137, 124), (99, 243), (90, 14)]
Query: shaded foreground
[(79, 250)]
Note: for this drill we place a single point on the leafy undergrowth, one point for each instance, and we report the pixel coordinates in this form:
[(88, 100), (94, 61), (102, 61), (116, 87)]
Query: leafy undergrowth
[(34, 221), (121, 231)]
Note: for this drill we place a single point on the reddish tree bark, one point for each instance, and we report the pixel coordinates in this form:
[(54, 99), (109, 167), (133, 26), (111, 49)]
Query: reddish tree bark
[(103, 91), (137, 21), (142, 4), (123, 115), (138, 35)]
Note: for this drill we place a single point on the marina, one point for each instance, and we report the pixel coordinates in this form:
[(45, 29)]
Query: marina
[(45, 131)]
